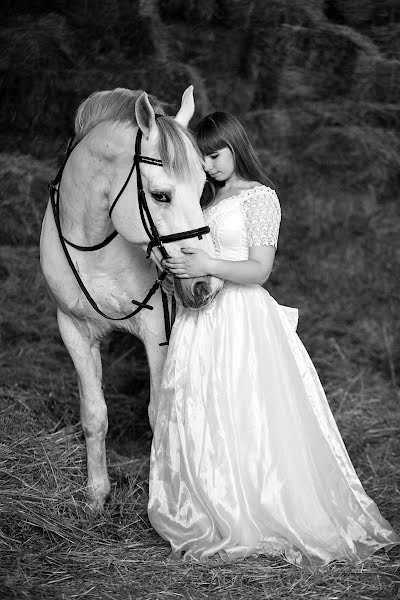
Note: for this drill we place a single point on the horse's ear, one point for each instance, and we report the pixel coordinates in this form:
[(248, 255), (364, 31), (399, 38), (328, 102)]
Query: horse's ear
[(186, 111), (145, 116)]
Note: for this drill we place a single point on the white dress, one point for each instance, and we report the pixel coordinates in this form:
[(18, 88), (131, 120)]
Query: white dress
[(246, 456)]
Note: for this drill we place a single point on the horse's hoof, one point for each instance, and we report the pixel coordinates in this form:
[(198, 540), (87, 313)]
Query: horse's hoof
[(96, 505), (97, 499)]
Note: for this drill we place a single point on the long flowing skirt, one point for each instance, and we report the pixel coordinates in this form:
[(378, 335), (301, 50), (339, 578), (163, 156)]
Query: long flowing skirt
[(246, 455)]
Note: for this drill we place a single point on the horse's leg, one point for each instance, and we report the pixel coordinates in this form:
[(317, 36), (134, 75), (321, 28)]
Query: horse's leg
[(84, 349), (156, 354)]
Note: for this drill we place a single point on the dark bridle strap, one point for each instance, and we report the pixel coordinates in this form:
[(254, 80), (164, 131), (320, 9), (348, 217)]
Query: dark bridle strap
[(108, 239), (123, 188), (176, 237), (136, 160), (142, 216), (156, 240), (160, 242), (54, 189), (140, 305), (145, 215), (149, 226), (183, 235), (148, 160), (67, 154), (167, 320), (53, 185)]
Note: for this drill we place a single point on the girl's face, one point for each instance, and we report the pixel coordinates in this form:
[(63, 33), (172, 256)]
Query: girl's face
[(220, 165)]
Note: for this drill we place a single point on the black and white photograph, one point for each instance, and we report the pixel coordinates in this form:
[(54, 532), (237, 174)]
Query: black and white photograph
[(200, 300)]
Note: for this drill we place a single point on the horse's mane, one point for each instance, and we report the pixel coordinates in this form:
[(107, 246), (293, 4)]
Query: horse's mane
[(177, 147)]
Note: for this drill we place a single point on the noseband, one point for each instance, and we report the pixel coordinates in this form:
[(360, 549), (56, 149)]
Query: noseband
[(156, 240)]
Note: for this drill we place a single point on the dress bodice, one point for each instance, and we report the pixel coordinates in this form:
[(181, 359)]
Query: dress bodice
[(250, 218)]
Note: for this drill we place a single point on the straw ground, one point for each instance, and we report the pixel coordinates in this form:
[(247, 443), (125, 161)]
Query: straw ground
[(52, 547)]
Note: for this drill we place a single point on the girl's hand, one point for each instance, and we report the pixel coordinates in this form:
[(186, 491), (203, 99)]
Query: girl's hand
[(193, 263)]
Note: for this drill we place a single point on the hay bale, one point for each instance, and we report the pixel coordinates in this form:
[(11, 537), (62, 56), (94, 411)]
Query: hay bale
[(387, 38), (349, 142), (320, 61), (36, 58), (376, 79), (269, 131), (188, 10), (52, 62), (23, 198), (356, 156), (168, 79), (361, 13)]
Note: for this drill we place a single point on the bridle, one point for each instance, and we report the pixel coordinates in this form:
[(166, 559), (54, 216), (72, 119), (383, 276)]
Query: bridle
[(156, 240)]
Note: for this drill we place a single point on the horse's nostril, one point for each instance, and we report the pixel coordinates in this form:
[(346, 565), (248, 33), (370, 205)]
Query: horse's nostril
[(200, 290)]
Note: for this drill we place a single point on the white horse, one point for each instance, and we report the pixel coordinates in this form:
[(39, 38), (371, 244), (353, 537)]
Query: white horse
[(95, 175)]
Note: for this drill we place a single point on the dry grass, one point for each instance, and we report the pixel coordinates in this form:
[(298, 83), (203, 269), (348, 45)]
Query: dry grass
[(23, 182), (52, 547)]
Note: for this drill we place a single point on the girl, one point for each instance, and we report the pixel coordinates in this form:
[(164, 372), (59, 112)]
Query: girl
[(246, 455)]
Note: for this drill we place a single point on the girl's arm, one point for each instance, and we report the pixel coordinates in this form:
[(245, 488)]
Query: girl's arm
[(262, 215), (197, 263)]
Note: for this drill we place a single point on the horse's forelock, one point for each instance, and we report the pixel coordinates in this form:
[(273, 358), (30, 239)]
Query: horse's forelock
[(178, 150), (116, 105)]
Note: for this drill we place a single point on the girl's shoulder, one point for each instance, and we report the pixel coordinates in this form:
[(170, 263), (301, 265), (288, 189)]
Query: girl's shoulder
[(262, 216), (261, 198), (259, 191)]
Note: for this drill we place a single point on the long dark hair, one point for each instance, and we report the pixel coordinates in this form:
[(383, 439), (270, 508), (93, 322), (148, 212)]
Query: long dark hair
[(223, 130)]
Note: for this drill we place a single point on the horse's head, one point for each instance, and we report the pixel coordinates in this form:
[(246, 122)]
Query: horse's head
[(172, 186)]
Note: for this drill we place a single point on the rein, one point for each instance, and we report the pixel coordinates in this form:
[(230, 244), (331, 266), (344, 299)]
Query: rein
[(156, 240)]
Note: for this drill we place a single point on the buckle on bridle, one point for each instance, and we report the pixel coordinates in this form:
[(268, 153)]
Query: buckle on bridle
[(142, 304)]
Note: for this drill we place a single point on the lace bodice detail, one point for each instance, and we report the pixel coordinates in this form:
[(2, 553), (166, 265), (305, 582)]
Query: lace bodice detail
[(250, 218)]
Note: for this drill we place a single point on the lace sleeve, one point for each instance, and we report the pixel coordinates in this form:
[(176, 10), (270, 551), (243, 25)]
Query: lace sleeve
[(262, 216)]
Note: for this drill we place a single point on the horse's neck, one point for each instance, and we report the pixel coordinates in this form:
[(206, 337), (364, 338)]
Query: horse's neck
[(85, 188)]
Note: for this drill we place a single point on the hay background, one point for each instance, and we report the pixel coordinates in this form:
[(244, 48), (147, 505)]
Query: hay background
[(317, 85)]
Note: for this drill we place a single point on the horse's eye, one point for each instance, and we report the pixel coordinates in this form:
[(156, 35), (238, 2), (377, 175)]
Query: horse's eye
[(161, 196)]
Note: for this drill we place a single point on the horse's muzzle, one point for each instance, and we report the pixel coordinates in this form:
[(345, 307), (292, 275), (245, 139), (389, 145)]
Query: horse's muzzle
[(197, 292)]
